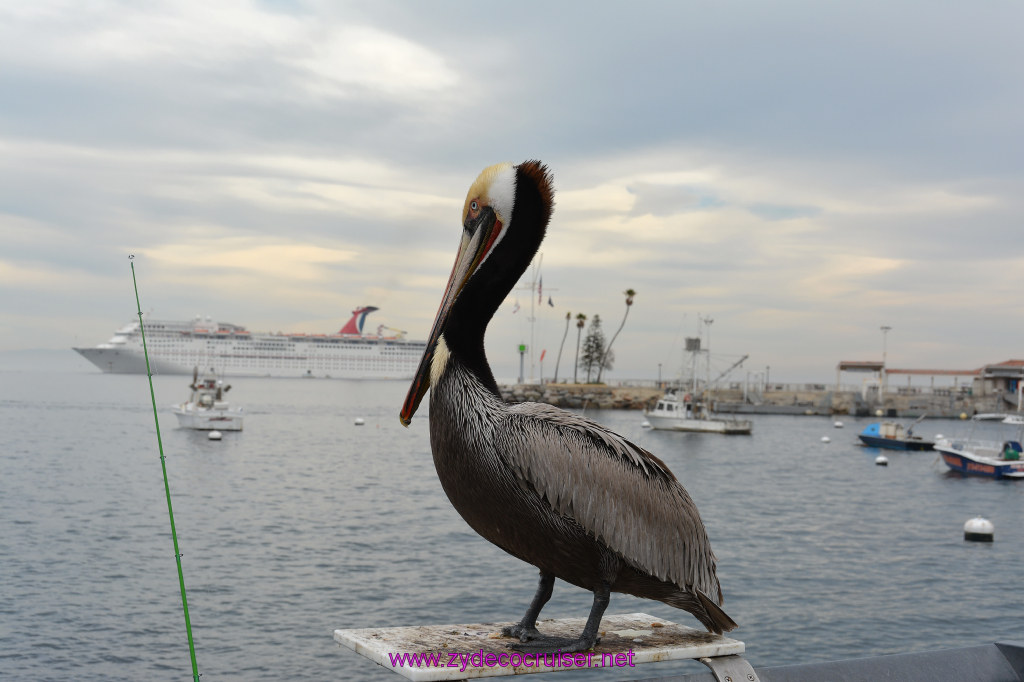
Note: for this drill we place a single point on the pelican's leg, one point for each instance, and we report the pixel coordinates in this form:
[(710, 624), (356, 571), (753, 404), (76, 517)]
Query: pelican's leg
[(527, 627), (587, 640)]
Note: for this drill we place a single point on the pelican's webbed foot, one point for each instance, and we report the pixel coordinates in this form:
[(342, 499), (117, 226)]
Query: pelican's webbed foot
[(524, 633), (550, 645)]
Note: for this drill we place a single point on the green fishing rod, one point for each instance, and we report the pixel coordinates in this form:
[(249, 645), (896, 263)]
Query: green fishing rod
[(167, 487)]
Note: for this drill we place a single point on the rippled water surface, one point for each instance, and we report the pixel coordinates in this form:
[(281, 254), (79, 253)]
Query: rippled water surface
[(305, 523)]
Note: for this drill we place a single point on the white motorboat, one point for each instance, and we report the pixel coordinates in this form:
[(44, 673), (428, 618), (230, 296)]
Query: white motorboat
[(206, 409), (672, 414)]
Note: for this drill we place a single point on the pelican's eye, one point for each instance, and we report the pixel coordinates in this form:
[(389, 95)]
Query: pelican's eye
[(472, 214)]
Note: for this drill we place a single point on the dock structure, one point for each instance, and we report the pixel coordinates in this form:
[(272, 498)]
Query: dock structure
[(478, 650)]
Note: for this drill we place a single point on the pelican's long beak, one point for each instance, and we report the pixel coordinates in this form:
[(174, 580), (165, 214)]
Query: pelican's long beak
[(480, 234)]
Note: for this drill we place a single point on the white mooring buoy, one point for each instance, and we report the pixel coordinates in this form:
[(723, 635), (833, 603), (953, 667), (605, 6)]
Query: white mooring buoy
[(979, 529), (882, 461), (826, 439), (645, 424), (214, 435), (838, 425), (359, 421)]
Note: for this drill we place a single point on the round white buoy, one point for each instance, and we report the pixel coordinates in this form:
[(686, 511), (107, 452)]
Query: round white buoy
[(878, 413), (979, 529), (826, 439), (938, 436), (645, 425), (882, 461), (838, 425), (359, 421), (214, 435)]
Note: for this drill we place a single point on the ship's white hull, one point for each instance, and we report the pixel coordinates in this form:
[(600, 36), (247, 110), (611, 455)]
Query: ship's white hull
[(179, 347), (123, 361)]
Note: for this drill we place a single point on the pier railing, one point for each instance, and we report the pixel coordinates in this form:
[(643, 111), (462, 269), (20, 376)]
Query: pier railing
[(793, 387)]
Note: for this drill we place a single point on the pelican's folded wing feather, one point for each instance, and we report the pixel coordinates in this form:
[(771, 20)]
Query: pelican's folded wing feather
[(622, 494)]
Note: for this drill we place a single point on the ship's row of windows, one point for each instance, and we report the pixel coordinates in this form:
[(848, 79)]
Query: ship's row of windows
[(388, 357), (272, 346), (341, 363), (243, 341), (312, 357), (397, 354)]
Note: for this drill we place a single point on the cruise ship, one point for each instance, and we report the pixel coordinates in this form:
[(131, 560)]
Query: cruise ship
[(179, 347)]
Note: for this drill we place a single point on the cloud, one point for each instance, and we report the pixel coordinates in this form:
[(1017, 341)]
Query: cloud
[(271, 261), (351, 60), (342, 59), (26, 276), (69, 35)]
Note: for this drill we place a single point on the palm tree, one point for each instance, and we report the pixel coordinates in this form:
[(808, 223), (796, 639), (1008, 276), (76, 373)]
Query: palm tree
[(629, 303), (580, 320), (567, 316)]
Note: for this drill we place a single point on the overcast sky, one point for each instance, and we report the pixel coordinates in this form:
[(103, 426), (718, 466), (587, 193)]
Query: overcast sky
[(802, 172)]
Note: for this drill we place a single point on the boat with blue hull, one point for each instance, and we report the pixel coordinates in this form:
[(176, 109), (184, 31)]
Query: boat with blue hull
[(893, 436), (996, 453)]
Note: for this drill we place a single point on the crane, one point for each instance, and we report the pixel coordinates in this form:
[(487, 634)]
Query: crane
[(731, 368)]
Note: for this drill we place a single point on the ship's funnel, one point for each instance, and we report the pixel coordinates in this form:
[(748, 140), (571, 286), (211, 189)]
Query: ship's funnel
[(354, 326)]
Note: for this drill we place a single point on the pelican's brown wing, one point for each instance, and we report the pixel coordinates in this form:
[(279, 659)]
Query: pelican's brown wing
[(622, 494)]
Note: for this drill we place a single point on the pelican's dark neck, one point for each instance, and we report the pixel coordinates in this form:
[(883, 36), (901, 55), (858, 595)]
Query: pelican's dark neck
[(464, 336)]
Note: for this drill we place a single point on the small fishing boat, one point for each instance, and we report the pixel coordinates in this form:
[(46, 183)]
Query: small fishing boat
[(206, 409), (672, 414), (893, 436), (694, 412), (996, 453)]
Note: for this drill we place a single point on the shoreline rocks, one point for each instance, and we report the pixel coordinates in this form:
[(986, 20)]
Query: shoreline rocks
[(580, 396)]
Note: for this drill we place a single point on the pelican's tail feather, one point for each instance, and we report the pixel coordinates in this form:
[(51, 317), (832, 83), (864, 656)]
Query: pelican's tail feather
[(714, 618)]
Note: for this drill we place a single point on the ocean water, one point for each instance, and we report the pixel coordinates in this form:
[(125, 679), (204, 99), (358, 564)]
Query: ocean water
[(305, 522)]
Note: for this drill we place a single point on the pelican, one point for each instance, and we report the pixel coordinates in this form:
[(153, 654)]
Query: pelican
[(554, 489)]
